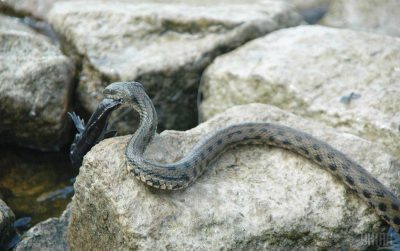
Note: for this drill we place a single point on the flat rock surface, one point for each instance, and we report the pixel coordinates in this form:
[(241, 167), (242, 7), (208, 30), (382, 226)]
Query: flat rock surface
[(315, 72), (165, 46), (380, 16), (49, 235), (7, 218), (35, 87), (251, 198)]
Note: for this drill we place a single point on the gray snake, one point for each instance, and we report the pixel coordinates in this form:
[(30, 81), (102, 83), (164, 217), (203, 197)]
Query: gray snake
[(182, 173)]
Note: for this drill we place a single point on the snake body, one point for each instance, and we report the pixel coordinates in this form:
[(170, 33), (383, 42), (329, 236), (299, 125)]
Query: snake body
[(182, 173)]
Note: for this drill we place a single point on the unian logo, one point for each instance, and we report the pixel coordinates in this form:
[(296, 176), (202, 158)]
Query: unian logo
[(383, 241)]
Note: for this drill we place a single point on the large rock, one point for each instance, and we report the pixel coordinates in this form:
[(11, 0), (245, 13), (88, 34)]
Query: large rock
[(349, 80), (35, 87), (252, 197), (380, 16), (164, 46), (48, 235), (7, 218)]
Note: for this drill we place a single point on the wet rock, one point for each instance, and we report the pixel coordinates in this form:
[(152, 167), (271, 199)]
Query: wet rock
[(252, 197), (48, 235), (380, 16), (316, 72), (35, 88), (6, 223), (164, 46)]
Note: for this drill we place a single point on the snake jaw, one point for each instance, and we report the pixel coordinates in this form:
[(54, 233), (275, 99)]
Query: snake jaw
[(123, 91)]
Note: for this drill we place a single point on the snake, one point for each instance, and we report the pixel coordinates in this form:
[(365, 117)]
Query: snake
[(184, 172)]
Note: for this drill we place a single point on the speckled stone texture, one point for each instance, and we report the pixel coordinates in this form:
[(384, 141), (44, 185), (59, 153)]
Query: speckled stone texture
[(252, 197), (347, 79), (165, 46), (35, 88), (7, 218), (380, 16)]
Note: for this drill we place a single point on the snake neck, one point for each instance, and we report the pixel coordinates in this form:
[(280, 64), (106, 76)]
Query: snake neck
[(147, 127)]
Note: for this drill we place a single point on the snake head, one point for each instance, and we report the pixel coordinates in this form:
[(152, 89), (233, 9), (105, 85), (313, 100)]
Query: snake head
[(131, 93)]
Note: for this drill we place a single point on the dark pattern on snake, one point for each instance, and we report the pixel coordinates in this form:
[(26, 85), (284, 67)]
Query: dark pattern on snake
[(182, 173)]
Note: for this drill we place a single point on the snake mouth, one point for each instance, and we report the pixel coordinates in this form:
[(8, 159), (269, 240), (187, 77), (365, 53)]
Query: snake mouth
[(112, 103)]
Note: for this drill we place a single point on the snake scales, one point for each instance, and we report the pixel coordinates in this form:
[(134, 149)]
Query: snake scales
[(182, 173)]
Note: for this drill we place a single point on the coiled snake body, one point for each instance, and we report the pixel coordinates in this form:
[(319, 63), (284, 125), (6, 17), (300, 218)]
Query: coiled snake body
[(181, 174)]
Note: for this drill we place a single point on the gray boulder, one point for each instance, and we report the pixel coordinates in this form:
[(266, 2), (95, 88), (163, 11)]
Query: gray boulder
[(35, 87), (165, 46), (347, 79), (380, 16), (251, 198)]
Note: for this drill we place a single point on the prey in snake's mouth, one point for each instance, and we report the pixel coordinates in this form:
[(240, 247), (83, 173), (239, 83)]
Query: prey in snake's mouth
[(93, 132)]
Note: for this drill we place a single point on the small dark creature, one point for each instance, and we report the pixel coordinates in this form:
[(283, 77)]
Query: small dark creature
[(92, 133)]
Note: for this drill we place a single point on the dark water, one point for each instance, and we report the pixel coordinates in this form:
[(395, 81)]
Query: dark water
[(35, 184)]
